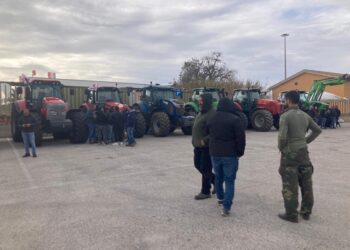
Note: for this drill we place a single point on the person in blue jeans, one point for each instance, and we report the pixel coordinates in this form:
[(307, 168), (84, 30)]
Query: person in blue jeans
[(130, 126), (27, 125), (226, 145)]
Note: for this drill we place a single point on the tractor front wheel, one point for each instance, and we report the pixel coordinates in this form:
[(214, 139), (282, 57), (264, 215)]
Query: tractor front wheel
[(140, 126), (79, 132), (262, 120), (160, 123)]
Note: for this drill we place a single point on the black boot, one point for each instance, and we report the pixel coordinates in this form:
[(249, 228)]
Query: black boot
[(202, 196), (289, 218)]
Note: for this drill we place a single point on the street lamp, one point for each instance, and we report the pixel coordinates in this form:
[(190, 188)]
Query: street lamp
[(285, 54)]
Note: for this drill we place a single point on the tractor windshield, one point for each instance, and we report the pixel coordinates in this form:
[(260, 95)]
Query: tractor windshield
[(215, 95), (39, 91), (164, 94), (104, 95)]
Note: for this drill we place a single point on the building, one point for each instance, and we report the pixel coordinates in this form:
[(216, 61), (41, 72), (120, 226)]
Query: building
[(303, 80)]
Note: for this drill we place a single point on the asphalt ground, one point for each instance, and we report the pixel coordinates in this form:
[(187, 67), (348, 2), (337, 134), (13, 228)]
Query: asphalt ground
[(110, 197)]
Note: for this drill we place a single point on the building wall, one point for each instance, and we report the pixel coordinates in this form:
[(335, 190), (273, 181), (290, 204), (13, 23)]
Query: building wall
[(304, 82)]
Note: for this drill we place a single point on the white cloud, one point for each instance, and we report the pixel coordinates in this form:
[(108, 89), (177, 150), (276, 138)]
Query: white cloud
[(148, 40)]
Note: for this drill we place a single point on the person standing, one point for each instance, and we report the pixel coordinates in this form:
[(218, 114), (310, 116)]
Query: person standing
[(110, 133), (27, 125), (200, 142), (338, 113), (118, 126), (296, 167), (101, 122), (226, 145), (91, 122), (130, 126)]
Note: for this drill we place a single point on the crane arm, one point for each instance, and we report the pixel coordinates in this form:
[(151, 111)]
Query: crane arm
[(318, 87)]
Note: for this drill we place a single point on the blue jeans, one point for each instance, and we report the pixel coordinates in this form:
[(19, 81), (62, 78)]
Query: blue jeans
[(225, 169), (130, 131), (92, 131), (29, 141), (110, 134)]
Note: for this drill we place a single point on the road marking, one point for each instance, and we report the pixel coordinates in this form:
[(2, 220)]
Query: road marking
[(22, 165)]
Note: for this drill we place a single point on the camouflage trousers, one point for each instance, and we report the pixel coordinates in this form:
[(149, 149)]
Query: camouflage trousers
[(296, 170)]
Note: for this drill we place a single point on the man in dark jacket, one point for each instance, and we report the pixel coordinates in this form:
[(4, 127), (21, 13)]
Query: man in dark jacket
[(91, 122), (27, 125), (101, 123), (226, 145), (118, 126), (130, 126), (200, 142)]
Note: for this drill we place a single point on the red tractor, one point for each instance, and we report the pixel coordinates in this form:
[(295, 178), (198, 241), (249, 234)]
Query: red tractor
[(109, 97), (43, 97), (262, 113)]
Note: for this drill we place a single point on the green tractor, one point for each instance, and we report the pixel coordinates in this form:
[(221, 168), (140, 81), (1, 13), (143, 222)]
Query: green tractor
[(192, 107)]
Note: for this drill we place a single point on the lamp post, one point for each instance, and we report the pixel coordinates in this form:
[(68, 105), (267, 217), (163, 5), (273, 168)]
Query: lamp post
[(285, 54)]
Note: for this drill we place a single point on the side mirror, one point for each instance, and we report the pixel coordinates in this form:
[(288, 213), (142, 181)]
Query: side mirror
[(19, 90)]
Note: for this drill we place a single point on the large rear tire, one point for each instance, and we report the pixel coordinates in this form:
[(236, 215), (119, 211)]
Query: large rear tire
[(160, 124), (15, 131), (140, 126), (79, 132), (262, 120)]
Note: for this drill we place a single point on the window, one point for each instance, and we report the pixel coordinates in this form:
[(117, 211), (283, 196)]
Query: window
[(104, 95)]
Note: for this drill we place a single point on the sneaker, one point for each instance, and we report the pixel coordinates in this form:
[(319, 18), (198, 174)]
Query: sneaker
[(26, 155), (289, 218), (214, 191), (202, 196), (34, 155), (225, 212)]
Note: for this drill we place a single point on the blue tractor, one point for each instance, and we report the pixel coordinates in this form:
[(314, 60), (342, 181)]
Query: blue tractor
[(163, 113)]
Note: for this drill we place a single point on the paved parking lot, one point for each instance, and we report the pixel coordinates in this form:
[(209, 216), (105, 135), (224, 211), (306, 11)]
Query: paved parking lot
[(107, 197)]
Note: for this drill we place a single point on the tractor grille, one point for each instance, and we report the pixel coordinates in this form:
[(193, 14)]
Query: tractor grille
[(55, 112), (180, 110)]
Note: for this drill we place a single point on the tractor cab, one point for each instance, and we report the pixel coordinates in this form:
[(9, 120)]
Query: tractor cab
[(106, 97), (246, 97), (39, 92), (156, 94)]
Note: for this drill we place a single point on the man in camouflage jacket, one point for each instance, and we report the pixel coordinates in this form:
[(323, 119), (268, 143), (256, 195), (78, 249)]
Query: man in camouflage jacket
[(296, 167)]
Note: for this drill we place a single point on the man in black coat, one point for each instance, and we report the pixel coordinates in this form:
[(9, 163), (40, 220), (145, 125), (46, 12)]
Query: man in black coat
[(118, 126), (226, 145)]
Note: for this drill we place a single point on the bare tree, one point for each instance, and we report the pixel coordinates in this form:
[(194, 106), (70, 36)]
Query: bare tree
[(211, 71)]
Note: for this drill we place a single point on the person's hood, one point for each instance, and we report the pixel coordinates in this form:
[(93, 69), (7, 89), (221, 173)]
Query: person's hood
[(226, 105), (207, 102)]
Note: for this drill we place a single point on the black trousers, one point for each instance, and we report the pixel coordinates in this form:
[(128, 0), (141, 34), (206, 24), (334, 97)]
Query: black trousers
[(118, 133), (202, 162)]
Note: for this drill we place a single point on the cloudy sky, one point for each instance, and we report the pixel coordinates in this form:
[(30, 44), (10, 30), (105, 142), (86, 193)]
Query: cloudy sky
[(144, 40)]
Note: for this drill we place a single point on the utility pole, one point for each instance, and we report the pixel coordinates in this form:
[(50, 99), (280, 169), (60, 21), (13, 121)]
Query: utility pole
[(285, 54)]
